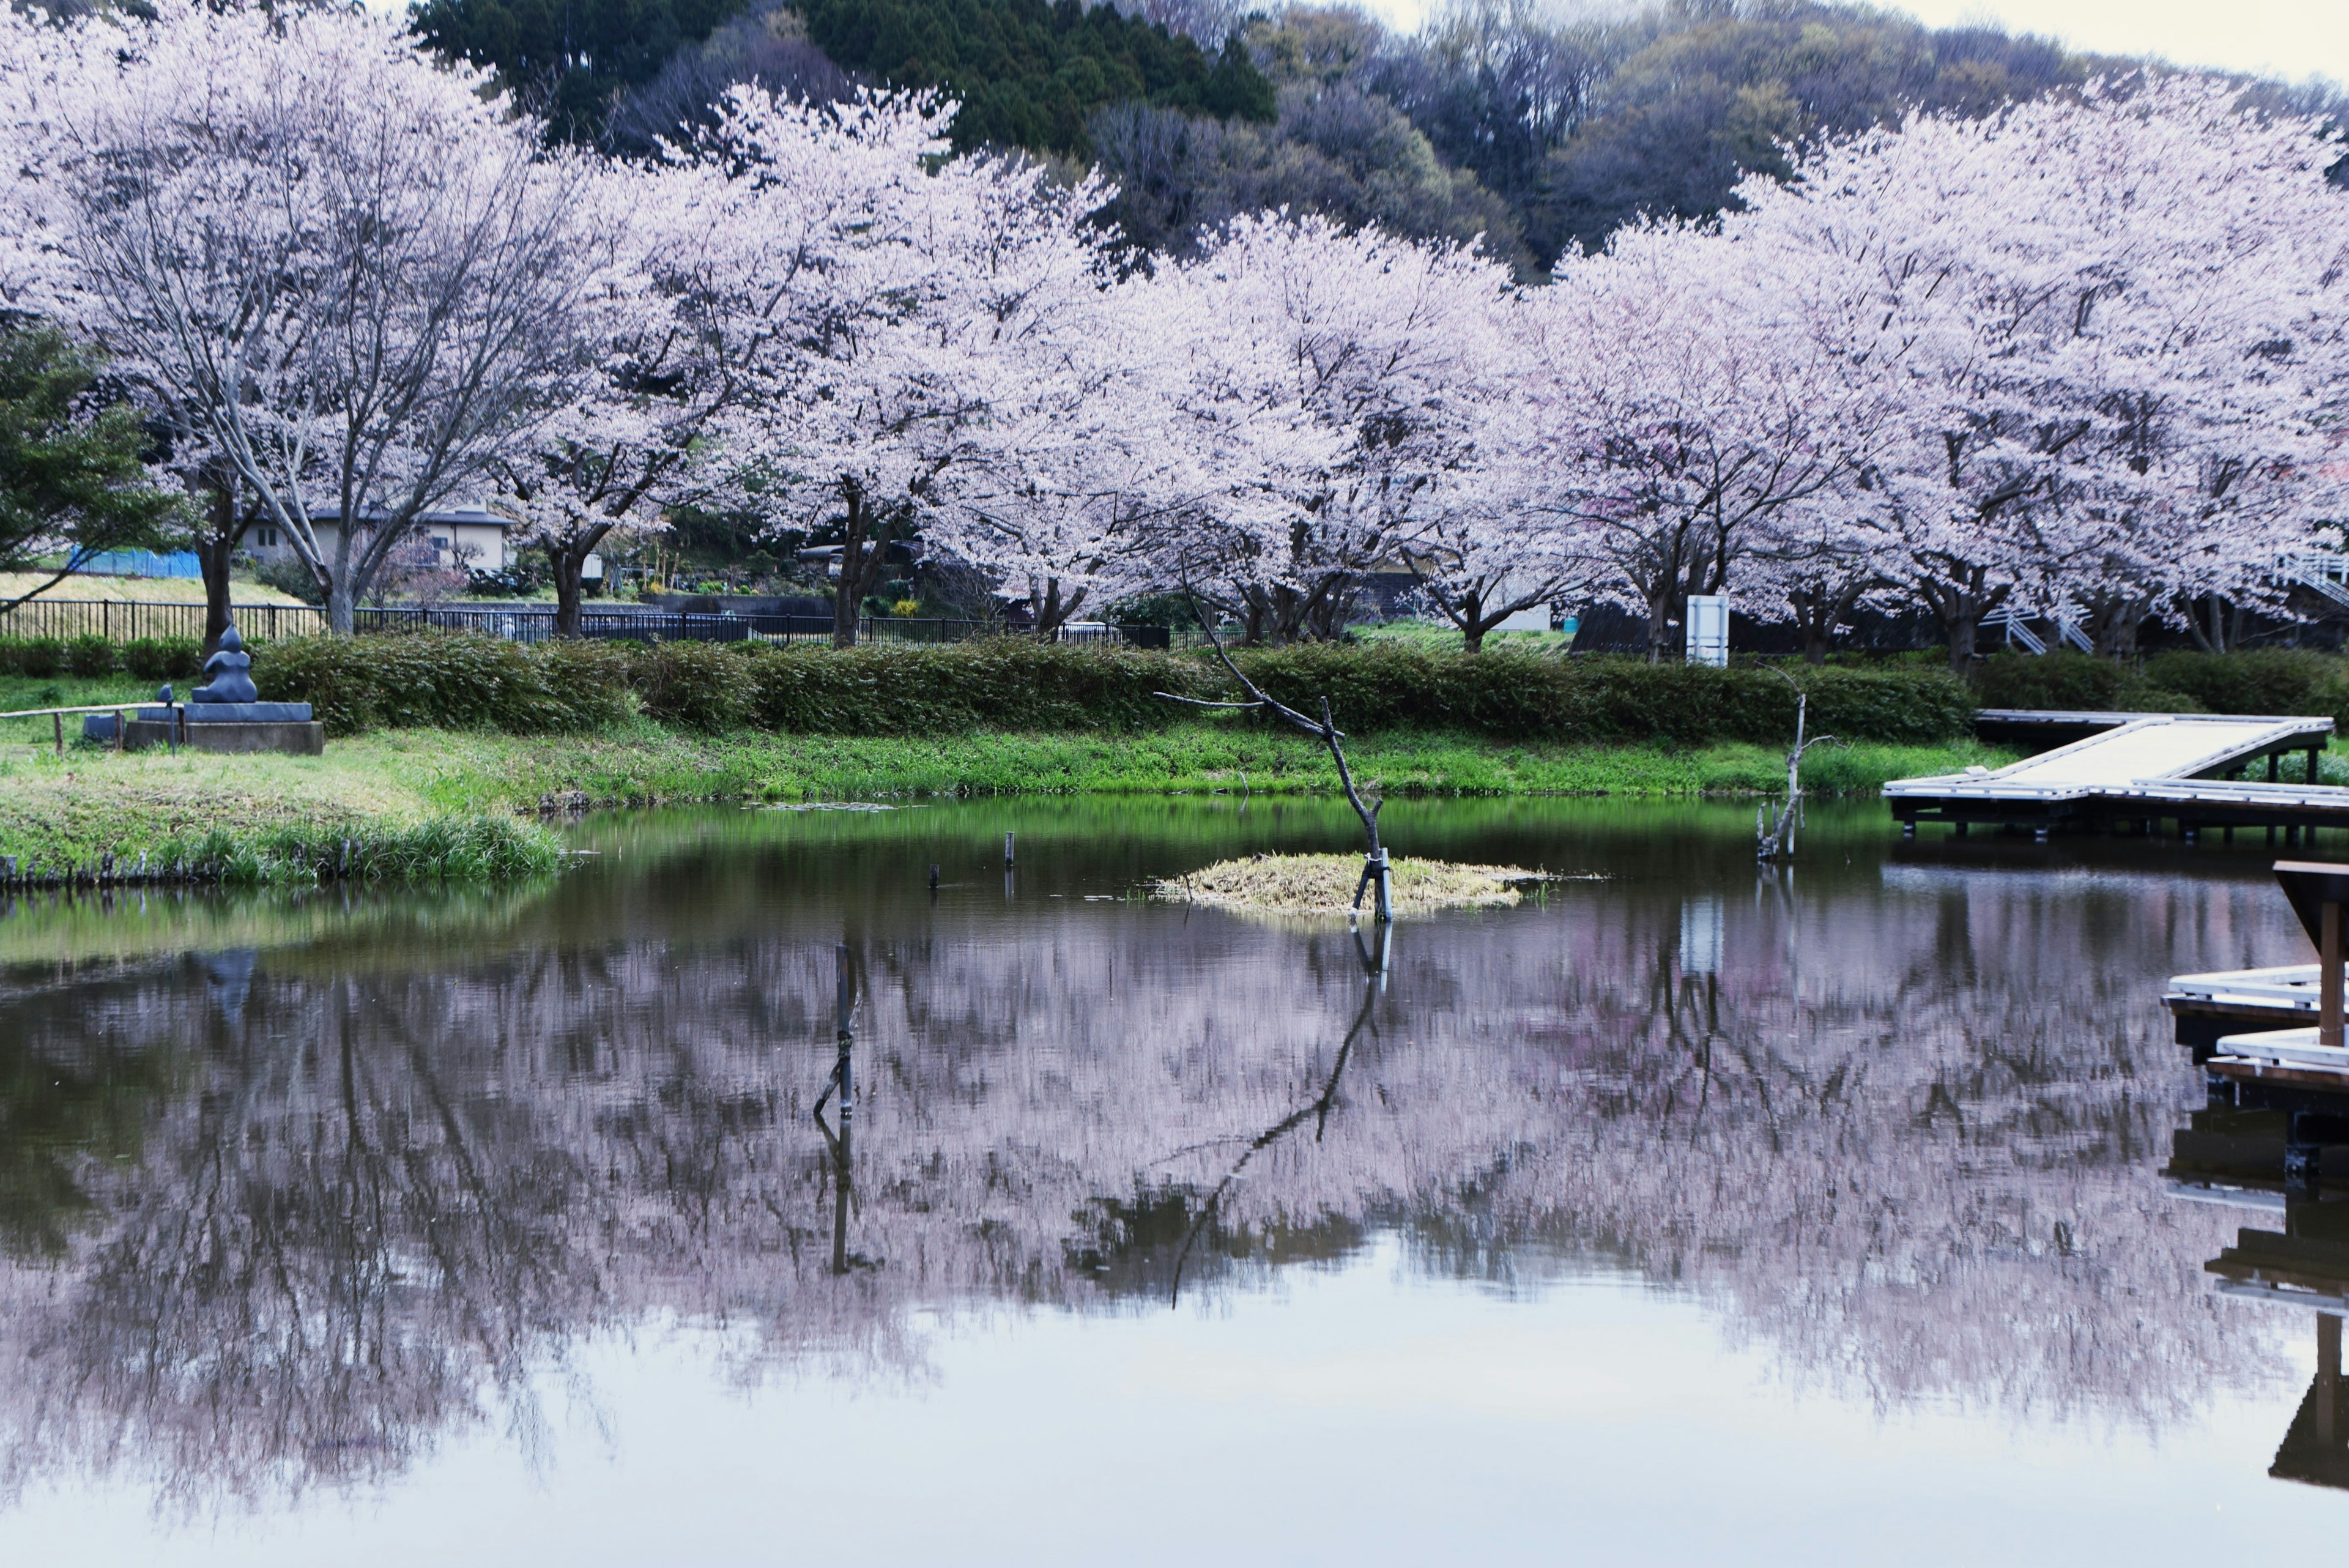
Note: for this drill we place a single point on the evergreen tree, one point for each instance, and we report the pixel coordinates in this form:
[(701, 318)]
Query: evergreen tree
[(71, 477), (1029, 74)]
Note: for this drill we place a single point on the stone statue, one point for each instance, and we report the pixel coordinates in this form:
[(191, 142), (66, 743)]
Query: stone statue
[(225, 672)]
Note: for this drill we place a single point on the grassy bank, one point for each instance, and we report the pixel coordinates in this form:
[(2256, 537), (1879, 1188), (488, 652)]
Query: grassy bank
[(425, 802)]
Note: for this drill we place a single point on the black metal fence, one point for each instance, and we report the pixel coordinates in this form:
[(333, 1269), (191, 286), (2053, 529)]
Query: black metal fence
[(122, 622)]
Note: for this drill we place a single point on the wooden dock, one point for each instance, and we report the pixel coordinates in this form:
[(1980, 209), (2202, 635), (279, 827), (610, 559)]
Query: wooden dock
[(2135, 773)]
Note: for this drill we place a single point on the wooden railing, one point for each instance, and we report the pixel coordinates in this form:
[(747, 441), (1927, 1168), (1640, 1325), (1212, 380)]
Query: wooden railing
[(57, 717)]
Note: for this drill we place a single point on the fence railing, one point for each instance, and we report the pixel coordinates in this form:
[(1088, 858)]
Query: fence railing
[(125, 621)]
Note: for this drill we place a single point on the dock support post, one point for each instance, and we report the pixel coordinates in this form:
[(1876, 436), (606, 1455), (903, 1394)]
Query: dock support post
[(1962, 830), (2311, 764), (844, 1015), (2328, 954), (2302, 1164), (1909, 829), (2328, 1377), (2038, 836)]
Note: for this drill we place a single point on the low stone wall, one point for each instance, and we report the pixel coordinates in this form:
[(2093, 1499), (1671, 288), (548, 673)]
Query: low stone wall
[(289, 737)]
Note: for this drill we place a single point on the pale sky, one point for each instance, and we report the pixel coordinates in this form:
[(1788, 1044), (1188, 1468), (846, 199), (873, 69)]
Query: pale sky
[(2291, 40)]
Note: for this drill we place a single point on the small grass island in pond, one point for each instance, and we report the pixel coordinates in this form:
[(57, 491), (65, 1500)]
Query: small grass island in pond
[(1324, 885)]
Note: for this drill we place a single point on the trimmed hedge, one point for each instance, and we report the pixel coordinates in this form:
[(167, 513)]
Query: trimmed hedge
[(1519, 696), (2263, 681), (1011, 683), (997, 682), (41, 656), (449, 679), (148, 658), (2080, 681), (163, 658)]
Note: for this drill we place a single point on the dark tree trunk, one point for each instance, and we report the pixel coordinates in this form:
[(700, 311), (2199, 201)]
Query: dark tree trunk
[(2112, 627), (865, 539), (1474, 623), (1819, 610), (1659, 618), (1051, 610), (216, 544), (848, 595), (566, 566)]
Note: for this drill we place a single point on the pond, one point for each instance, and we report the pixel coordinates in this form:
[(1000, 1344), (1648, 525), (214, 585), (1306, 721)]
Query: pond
[(1686, 1212)]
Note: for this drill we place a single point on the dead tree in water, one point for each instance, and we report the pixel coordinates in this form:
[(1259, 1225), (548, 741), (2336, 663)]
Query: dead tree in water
[(1375, 871), (1374, 981), (1774, 840)]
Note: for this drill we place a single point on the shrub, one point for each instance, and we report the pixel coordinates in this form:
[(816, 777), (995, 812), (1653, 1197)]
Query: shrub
[(90, 654), (163, 658), (2076, 681), (1000, 682), (39, 656), (452, 681), (706, 686), (1015, 683), (2263, 681), (1524, 696)]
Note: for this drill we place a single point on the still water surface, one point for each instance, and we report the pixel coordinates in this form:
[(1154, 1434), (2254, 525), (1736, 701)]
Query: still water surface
[(1687, 1215)]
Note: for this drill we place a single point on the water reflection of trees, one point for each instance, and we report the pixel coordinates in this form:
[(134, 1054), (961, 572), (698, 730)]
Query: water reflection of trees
[(1904, 1137)]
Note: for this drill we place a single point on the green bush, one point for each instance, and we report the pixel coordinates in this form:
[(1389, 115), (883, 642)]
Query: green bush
[(449, 679), (41, 656), (2263, 681), (1524, 696), (163, 658), (2064, 681), (1014, 683), (91, 653), (707, 686), (997, 682)]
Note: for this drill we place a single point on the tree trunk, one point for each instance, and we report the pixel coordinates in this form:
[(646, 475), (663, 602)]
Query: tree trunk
[(2208, 622), (1473, 623), (2113, 626), (215, 546), (567, 564), (340, 621), (1049, 610), (845, 598), (1963, 626), (1660, 616)]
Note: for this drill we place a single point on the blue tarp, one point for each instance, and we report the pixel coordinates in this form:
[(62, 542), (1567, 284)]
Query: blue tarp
[(142, 563)]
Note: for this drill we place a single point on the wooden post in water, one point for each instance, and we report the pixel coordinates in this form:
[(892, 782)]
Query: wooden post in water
[(1007, 852), (2328, 956), (844, 1016), (2328, 1377)]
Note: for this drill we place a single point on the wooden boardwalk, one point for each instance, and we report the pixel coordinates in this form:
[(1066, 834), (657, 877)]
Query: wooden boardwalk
[(2134, 773)]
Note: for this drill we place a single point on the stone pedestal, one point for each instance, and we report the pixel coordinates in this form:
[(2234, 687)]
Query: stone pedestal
[(289, 737)]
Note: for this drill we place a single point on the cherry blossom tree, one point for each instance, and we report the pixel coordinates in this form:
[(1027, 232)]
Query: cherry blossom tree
[(1375, 339), (2103, 335), (1681, 408), (899, 303), (359, 275)]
